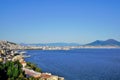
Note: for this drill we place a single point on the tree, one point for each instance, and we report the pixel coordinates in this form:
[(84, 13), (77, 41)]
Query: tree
[(34, 67), (11, 70)]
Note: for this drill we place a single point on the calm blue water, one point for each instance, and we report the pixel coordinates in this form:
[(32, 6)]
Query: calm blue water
[(82, 64)]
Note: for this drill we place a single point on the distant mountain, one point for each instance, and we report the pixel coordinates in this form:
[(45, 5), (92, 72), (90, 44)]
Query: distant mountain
[(52, 44), (109, 42)]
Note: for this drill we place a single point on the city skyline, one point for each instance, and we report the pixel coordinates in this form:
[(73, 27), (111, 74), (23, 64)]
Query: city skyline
[(48, 21)]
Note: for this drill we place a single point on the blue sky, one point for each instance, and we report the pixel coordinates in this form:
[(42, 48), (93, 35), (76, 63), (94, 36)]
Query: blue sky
[(45, 21)]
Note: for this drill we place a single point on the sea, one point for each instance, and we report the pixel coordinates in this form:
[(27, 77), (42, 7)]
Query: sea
[(78, 64)]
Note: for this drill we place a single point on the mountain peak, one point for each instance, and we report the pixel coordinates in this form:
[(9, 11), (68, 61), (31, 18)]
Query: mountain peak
[(112, 40), (109, 42)]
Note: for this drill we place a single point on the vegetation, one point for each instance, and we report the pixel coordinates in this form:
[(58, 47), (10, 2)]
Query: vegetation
[(33, 67), (11, 71)]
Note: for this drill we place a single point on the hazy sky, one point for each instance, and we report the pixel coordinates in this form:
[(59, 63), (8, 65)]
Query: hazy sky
[(41, 21)]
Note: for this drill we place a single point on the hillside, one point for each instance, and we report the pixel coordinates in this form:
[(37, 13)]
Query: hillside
[(9, 45), (109, 42)]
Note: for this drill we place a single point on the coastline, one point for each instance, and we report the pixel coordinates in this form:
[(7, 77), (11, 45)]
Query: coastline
[(13, 55), (29, 71)]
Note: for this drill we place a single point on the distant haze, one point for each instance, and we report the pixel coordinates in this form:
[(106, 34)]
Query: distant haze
[(108, 42)]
